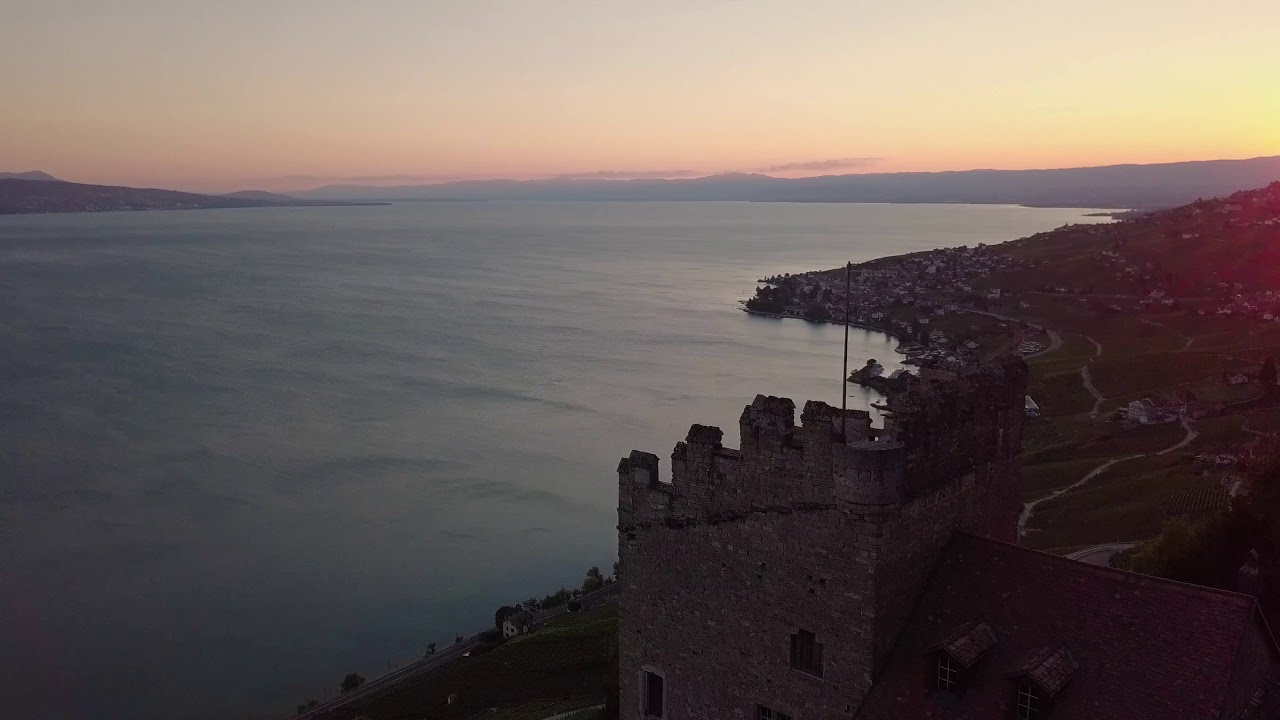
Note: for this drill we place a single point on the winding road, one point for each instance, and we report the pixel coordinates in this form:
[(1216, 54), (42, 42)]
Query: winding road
[(1055, 342), (1100, 554), (1087, 378), (1029, 507)]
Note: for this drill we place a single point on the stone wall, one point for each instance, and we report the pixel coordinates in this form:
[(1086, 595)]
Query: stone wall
[(804, 529)]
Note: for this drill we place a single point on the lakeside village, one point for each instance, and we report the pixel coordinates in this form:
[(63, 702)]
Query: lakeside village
[(953, 307), (927, 301)]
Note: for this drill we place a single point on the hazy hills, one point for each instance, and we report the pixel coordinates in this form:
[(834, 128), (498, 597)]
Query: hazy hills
[(261, 195), (31, 175), (1113, 186), (21, 193)]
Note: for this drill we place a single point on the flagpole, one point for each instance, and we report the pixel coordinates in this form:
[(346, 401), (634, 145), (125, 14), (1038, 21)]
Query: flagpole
[(844, 378)]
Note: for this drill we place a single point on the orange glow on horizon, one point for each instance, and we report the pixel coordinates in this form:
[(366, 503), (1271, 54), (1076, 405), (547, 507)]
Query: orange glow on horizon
[(297, 94)]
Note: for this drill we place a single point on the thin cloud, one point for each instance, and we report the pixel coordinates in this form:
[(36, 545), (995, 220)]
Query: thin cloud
[(627, 174), (819, 165)]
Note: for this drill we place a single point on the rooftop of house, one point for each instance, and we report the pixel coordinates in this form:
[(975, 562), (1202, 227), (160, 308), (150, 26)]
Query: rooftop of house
[(1093, 641)]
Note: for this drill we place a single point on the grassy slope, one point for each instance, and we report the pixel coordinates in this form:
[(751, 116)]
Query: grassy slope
[(1142, 358), (1189, 253), (560, 667)]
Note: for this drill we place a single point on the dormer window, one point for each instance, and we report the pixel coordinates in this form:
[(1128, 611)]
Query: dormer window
[(1029, 706), (1039, 677), (806, 653), (962, 649), (948, 673)]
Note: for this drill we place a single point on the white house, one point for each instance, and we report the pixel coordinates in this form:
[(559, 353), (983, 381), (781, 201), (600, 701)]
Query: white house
[(1236, 378), (1143, 412), (517, 624)]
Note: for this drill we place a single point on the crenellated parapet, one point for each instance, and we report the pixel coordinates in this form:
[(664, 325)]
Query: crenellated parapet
[(938, 429), (778, 465)]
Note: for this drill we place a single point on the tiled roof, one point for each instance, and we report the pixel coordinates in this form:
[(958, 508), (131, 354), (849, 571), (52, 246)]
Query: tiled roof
[(1104, 643), (970, 642), (1049, 666)]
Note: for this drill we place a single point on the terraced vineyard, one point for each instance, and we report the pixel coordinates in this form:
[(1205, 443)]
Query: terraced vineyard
[(563, 666)]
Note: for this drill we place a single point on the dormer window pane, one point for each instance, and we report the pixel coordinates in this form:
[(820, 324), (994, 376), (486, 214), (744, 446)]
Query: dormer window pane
[(948, 673), (1029, 702)]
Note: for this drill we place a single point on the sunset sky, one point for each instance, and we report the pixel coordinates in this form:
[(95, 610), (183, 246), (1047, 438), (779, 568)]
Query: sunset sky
[(282, 94)]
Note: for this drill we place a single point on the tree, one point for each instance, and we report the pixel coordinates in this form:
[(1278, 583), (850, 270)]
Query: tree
[(816, 312), (503, 613), (1212, 551), (593, 581), (556, 599), (457, 639), (431, 649), (352, 681), (303, 707), (616, 569)]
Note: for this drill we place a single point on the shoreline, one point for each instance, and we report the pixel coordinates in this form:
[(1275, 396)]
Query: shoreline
[(863, 326), (899, 342)]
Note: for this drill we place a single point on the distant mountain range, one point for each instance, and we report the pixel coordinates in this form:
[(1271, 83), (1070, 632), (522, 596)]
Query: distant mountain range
[(265, 196), (1113, 186), (31, 175), (37, 192)]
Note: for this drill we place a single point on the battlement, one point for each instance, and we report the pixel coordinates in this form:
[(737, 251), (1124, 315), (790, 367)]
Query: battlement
[(814, 527), (938, 430)]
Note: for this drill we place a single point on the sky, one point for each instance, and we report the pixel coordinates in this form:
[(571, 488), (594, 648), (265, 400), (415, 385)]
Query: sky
[(290, 94)]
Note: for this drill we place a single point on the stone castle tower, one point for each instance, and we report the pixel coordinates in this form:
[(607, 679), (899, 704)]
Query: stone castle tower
[(771, 581)]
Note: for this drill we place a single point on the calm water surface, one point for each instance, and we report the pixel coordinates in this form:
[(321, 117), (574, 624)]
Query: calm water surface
[(245, 452)]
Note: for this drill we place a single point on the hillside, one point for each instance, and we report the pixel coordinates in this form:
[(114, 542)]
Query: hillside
[(1147, 341), (1116, 186), (280, 200), (263, 195), (30, 175), (1156, 396), (1199, 250), (565, 665), (28, 196)]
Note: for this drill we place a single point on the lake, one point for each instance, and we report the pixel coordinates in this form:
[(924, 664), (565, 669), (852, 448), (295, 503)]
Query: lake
[(245, 452)]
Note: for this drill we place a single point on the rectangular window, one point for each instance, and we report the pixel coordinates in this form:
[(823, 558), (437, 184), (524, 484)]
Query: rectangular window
[(1028, 707), (764, 713), (653, 695), (947, 672), (806, 653)]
